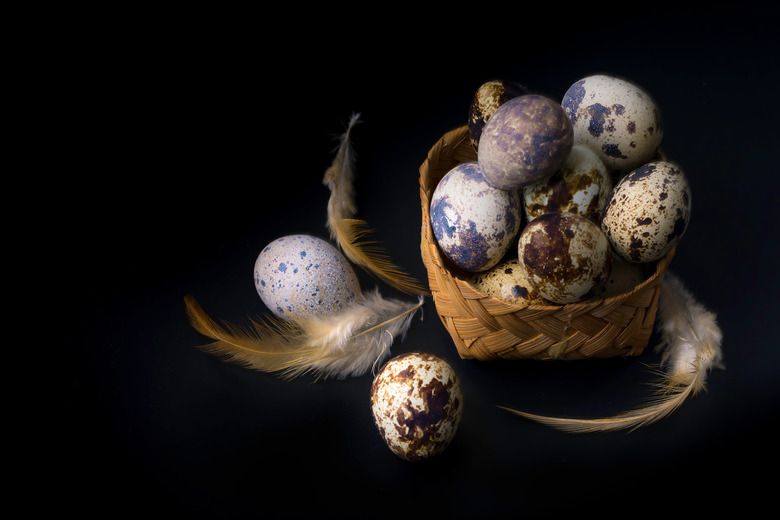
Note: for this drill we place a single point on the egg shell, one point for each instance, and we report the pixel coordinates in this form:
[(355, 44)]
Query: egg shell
[(648, 212), (582, 186), (623, 277), (417, 405), (508, 281), (525, 140), (474, 223), (488, 97), (301, 275), (566, 256), (616, 118)]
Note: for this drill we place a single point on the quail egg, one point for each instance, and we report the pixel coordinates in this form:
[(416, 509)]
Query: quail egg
[(417, 405), (648, 212), (299, 276), (624, 276), (473, 222), (566, 256), (507, 281), (581, 186), (525, 140), (488, 97), (616, 118)]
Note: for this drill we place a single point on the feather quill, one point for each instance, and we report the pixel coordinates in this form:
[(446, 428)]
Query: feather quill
[(691, 348), (335, 346), (352, 234)]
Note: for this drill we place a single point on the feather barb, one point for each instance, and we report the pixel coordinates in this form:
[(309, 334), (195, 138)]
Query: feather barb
[(352, 235), (337, 345)]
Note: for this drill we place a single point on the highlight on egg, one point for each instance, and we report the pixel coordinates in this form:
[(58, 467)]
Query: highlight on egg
[(566, 256), (417, 405), (648, 212), (473, 222), (299, 276)]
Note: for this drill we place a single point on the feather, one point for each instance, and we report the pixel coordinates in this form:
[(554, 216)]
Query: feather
[(690, 347), (692, 337), (351, 233), (335, 346), (339, 178)]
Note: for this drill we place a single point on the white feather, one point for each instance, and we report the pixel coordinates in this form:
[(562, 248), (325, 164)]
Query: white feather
[(691, 345)]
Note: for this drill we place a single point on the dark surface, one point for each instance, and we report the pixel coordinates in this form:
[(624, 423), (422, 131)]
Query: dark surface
[(212, 142)]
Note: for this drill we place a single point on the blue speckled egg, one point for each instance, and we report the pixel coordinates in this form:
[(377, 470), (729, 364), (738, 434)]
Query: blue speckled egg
[(302, 275), (474, 223)]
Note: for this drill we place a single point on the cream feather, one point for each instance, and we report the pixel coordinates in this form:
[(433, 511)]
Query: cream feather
[(691, 348), (350, 233), (335, 346)]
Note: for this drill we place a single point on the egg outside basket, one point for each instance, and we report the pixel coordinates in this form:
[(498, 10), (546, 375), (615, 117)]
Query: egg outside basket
[(484, 327)]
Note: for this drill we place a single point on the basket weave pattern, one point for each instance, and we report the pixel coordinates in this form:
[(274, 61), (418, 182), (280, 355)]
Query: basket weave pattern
[(484, 327)]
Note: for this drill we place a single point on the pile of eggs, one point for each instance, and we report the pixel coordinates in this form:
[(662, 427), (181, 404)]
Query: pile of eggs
[(567, 201)]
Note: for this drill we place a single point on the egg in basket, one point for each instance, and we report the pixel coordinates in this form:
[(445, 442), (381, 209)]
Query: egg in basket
[(547, 226)]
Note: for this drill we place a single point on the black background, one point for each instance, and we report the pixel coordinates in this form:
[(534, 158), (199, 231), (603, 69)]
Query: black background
[(201, 138)]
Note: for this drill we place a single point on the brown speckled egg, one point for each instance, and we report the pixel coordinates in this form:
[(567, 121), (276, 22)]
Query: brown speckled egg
[(616, 118), (581, 186), (623, 277), (648, 212), (566, 256), (525, 140), (417, 404), (507, 281), (488, 97), (474, 223)]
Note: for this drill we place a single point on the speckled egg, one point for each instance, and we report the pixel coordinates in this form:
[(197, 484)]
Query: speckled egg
[(623, 277), (581, 186), (566, 256), (488, 97), (648, 212), (507, 281), (474, 223), (616, 118), (417, 404), (302, 275), (525, 140)]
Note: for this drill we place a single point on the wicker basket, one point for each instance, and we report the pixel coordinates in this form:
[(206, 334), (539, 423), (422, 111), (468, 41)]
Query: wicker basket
[(484, 327)]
